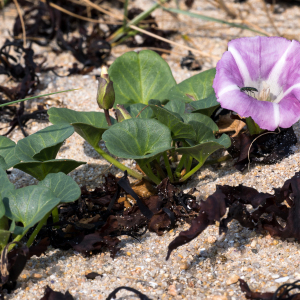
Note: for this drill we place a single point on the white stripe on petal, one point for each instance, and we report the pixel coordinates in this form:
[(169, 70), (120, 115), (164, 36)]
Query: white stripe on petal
[(276, 113), (297, 85), (242, 67), (277, 70), (227, 89)]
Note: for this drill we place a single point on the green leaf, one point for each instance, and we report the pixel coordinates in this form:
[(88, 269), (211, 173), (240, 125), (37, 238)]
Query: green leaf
[(40, 169), (176, 106), (202, 151), (7, 152), (198, 86), (174, 122), (5, 184), (2, 210), (62, 186), (29, 205), (89, 125), (3, 164), (196, 117), (205, 106), (44, 144), (139, 77), (137, 138), (141, 110)]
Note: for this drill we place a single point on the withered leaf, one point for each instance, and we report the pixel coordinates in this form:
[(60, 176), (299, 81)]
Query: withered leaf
[(227, 124)]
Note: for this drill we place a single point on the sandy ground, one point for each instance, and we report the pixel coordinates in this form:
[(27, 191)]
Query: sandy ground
[(206, 268)]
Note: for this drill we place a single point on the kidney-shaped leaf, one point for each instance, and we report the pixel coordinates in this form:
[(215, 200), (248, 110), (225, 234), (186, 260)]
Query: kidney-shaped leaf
[(137, 138), (29, 205), (196, 117), (40, 169), (205, 106), (174, 122), (198, 86), (62, 186), (89, 125), (139, 77), (7, 152), (44, 144), (5, 184), (140, 110), (202, 151), (176, 106)]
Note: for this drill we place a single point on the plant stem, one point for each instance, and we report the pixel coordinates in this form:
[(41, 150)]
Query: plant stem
[(37, 229), (168, 167), (114, 37), (190, 173), (150, 174), (125, 13), (55, 216), (189, 164), (118, 164), (181, 162), (16, 239), (107, 117), (160, 171)]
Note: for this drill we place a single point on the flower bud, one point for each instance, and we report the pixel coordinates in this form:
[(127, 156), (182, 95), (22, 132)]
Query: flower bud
[(122, 113), (106, 92)]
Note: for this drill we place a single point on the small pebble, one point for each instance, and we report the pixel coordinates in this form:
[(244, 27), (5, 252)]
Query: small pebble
[(211, 239), (172, 290), (253, 244), (232, 279)]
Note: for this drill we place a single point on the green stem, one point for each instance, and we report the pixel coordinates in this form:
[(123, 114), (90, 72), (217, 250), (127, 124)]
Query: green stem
[(168, 167), (150, 174), (125, 13), (160, 171), (114, 37), (21, 100), (17, 239), (37, 229), (181, 162), (190, 173), (118, 164), (55, 216), (189, 164)]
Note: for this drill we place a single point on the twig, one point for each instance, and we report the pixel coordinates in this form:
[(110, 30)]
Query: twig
[(230, 13), (172, 43), (270, 19), (22, 22), (81, 17), (254, 141)]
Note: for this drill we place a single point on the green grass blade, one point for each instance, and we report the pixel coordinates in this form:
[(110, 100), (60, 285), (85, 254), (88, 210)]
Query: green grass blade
[(199, 16), (21, 100)]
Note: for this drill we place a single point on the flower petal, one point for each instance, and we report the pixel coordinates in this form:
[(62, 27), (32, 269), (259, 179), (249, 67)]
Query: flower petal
[(258, 55), (265, 114), (289, 108)]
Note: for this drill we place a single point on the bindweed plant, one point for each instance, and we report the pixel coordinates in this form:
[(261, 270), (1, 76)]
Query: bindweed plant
[(165, 127), (21, 209), (36, 153)]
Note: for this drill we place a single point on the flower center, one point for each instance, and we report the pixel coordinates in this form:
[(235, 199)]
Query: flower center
[(265, 93)]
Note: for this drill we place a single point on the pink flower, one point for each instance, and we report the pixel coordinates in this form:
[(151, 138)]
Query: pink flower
[(271, 65)]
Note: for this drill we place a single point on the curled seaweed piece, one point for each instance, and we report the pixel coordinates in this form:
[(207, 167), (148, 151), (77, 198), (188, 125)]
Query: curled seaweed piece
[(113, 294)]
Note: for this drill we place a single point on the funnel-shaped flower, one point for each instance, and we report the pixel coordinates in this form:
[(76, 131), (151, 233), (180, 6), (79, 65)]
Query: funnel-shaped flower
[(269, 65)]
